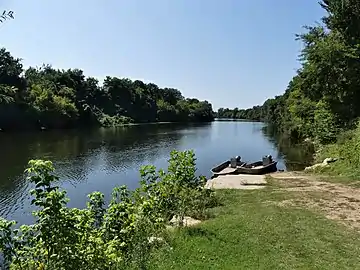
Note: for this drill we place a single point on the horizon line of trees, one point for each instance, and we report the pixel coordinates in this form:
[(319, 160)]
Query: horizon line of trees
[(322, 98), (53, 98), (236, 113)]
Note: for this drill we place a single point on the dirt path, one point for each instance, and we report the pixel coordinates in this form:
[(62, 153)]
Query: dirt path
[(337, 201)]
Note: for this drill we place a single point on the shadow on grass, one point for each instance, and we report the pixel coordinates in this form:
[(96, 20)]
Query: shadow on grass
[(199, 232), (205, 233)]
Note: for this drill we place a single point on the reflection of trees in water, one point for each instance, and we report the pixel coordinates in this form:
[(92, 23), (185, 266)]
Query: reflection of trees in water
[(77, 153), (296, 155), (133, 146), (18, 148), (129, 147)]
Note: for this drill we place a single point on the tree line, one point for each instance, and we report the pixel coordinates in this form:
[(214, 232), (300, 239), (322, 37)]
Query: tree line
[(44, 97), (321, 99), (236, 113)]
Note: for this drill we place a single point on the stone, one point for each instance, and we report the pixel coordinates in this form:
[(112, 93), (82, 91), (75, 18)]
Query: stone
[(329, 160), (325, 163), (188, 221), (315, 166), (154, 239)]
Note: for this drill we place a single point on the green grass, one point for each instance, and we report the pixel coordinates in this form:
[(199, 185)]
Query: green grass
[(250, 231), (341, 171), (347, 148)]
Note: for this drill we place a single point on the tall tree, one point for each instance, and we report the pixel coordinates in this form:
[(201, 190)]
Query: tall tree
[(323, 96), (53, 98)]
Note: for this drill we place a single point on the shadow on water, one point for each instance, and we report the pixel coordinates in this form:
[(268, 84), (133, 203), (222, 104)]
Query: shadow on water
[(296, 156)]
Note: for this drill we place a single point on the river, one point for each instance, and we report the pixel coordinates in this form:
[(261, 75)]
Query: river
[(100, 159)]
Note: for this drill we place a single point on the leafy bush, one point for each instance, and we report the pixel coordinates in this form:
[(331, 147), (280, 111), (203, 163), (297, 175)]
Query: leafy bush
[(67, 98), (100, 237), (325, 129), (113, 121), (347, 149)]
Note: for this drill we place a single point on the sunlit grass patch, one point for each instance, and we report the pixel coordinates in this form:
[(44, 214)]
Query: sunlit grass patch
[(248, 232)]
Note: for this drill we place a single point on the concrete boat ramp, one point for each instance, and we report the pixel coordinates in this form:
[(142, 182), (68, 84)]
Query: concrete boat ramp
[(239, 181)]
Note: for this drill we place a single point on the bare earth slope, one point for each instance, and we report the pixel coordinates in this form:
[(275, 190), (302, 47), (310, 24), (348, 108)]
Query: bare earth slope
[(337, 201)]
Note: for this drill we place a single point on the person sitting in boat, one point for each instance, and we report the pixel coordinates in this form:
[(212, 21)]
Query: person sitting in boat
[(234, 162), (267, 160)]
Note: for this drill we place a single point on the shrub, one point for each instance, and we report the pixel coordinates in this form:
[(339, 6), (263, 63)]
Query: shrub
[(325, 129), (347, 149), (100, 237), (113, 121)]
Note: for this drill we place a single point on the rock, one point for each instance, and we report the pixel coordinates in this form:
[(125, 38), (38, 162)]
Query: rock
[(154, 239), (188, 221), (315, 166), (329, 160), (325, 163)]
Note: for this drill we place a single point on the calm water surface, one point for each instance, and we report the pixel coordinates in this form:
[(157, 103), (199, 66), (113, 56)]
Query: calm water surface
[(99, 160)]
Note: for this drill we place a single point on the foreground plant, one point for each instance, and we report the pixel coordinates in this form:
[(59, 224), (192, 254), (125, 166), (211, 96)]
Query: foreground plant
[(99, 237)]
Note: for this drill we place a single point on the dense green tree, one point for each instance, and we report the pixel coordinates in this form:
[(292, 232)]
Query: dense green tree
[(323, 96), (51, 98)]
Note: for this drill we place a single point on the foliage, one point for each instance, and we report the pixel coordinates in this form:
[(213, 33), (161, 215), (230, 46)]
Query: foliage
[(46, 97), (236, 113), (321, 99), (100, 237), (347, 150), (112, 121), (325, 129)]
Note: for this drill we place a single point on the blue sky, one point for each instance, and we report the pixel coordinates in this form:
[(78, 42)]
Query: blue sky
[(234, 53)]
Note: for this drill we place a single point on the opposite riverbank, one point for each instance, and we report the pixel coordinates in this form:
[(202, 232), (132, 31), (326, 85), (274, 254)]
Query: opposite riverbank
[(43, 97)]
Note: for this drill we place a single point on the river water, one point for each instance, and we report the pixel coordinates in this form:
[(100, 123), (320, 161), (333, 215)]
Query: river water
[(100, 159)]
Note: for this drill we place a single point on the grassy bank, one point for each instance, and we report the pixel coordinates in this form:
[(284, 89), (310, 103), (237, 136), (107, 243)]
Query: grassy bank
[(256, 230), (347, 150)]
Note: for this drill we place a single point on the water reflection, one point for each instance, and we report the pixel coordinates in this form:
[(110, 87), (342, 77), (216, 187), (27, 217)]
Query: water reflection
[(83, 159), (295, 155), (100, 159)]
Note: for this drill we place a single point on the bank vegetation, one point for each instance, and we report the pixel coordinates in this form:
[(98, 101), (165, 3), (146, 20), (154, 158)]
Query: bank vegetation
[(45, 97), (320, 103), (122, 233)]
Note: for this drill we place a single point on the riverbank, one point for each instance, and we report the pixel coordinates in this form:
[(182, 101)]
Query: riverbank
[(298, 221), (295, 221), (111, 125), (341, 158), (46, 98)]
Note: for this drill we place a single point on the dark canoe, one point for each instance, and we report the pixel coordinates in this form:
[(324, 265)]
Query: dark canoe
[(225, 168), (257, 168)]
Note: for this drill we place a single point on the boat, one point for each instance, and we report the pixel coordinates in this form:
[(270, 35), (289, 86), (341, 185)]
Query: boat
[(228, 167), (267, 165)]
